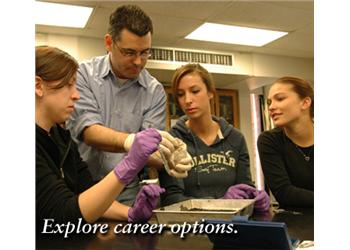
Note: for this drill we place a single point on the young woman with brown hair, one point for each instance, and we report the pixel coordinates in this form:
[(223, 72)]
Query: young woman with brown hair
[(287, 152), (219, 153), (65, 190)]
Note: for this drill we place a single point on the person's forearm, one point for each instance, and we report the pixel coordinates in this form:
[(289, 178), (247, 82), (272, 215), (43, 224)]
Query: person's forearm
[(110, 140), (95, 201), (117, 211), (104, 138), (295, 196)]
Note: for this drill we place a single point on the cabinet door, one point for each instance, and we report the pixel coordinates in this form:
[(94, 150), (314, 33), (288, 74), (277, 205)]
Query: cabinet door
[(226, 106), (173, 111)]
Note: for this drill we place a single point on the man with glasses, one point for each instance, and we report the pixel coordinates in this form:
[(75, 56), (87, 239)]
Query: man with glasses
[(118, 97)]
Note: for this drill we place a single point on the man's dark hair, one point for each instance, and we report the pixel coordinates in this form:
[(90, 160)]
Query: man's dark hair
[(132, 18)]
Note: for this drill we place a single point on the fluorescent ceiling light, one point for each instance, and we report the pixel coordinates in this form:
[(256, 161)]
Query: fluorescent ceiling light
[(234, 34), (61, 14)]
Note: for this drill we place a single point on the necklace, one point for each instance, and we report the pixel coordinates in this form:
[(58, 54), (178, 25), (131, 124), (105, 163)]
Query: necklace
[(307, 157)]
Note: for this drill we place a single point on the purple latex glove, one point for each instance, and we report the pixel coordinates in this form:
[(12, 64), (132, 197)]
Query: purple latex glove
[(145, 143), (262, 201), (146, 201), (240, 191)]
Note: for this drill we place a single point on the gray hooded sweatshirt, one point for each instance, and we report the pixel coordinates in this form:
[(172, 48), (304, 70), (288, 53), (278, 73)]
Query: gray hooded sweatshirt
[(215, 168)]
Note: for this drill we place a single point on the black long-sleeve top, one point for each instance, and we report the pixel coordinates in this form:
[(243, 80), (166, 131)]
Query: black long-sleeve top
[(61, 176), (289, 176)]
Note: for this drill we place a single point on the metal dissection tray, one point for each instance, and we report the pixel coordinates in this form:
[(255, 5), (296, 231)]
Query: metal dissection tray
[(196, 209)]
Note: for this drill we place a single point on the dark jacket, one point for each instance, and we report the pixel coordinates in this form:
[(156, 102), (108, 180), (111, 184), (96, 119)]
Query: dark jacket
[(289, 176), (215, 167), (60, 176)]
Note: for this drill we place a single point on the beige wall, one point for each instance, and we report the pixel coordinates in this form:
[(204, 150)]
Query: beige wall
[(81, 48)]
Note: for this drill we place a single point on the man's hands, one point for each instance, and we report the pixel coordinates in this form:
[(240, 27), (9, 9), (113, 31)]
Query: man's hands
[(128, 142)]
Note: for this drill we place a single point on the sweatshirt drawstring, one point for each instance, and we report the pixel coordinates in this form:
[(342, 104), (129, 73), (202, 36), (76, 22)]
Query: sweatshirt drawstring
[(196, 153)]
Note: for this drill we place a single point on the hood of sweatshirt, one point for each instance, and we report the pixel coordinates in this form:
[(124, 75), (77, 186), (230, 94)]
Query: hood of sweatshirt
[(180, 128)]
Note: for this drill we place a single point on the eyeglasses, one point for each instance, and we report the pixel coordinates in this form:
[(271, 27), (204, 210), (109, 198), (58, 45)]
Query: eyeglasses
[(130, 53)]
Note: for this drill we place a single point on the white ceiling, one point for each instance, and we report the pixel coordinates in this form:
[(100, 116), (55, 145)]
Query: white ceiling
[(173, 20)]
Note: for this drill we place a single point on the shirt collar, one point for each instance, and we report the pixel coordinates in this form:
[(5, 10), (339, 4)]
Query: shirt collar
[(107, 69)]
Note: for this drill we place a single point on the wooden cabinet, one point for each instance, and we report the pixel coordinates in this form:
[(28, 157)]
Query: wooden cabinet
[(225, 105), (173, 111)]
